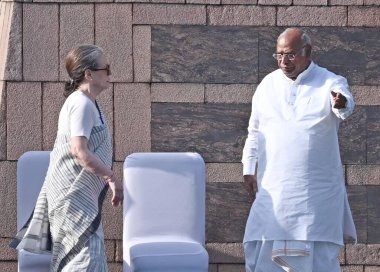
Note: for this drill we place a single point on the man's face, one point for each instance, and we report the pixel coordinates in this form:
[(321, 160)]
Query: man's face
[(292, 45)]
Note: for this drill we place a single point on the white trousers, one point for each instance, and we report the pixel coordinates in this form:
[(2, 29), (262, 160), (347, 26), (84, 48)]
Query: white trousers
[(321, 257)]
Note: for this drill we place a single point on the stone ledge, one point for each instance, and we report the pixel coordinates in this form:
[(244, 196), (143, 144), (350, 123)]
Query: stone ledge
[(224, 172), (366, 95), (7, 253), (312, 16), (3, 121), (241, 15), (362, 254), (363, 174), (229, 93), (364, 16), (177, 92), (169, 14), (142, 53), (223, 253)]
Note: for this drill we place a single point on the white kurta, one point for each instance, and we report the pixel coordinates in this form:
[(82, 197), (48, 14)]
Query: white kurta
[(293, 137)]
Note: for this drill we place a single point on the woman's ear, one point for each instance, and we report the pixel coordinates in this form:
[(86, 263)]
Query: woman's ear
[(87, 74)]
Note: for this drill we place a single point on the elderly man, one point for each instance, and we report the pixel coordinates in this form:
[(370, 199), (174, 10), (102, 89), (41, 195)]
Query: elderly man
[(300, 215)]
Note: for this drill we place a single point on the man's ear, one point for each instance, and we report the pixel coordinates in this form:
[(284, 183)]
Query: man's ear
[(87, 74), (307, 51)]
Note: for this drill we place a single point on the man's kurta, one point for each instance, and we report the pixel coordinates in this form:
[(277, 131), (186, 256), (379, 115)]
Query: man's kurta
[(293, 138)]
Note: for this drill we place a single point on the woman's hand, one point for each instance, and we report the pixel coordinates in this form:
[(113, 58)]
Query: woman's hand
[(117, 192)]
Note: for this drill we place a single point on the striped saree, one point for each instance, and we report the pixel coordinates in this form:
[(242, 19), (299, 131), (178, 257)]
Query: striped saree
[(69, 204)]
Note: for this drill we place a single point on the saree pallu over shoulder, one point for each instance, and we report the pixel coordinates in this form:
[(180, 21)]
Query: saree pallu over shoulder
[(70, 200)]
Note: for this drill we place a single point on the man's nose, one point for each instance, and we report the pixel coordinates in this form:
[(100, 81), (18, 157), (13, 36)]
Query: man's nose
[(285, 59)]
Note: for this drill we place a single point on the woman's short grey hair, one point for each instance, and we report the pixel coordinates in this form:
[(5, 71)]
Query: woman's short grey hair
[(78, 60)]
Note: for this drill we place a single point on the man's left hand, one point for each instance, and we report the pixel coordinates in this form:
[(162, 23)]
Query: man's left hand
[(339, 100)]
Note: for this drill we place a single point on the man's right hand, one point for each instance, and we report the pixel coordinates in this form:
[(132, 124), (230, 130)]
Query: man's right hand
[(250, 184)]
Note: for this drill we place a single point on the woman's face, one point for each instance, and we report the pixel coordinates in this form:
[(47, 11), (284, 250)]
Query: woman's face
[(101, 74)]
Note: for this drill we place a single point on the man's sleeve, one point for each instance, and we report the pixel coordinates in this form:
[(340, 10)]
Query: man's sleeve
[(341, 86), (249, 159)]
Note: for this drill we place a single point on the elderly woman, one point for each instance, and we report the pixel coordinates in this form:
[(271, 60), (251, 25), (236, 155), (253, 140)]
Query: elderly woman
[(79, 174)]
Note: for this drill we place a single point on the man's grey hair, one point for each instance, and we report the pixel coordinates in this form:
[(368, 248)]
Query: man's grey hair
[(305, 38)]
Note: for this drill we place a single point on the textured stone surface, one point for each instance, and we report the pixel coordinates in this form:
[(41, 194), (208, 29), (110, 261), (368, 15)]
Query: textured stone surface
[(213, 268), (363, 174), (175, 92), (352, 137), (364, 16), (142, 53), (225, 252), (24, 130), (366, 95), (76, 27), (105, 100), (7, 199), (167, 1), (52, 101), (115, 267), (8, 266), (363, 254), (110, 250), (242, 15), (267, 46), (310, 2), (372, 269), (204, 54), (119, 251), (216, 131), (229, 93), (231, 268), (352, 268), (372, 75), (373, 210), (209, 2), (235, 2), (357, 198), (40, 55), (3, 122), (346, 2), (311, 16), (132, 119), (224, 172), (113, 32), (373, 135), (11, 41), (7, 253), (169, 14), (112, 217), (355, 48), (227, 209), (275, 2), (198, 57), (372, 2)]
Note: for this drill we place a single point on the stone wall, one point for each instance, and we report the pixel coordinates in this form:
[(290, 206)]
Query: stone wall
[(184, 72)]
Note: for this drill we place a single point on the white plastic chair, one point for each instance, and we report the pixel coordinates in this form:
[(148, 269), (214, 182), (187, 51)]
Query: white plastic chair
[(31, 171), (164, 213)]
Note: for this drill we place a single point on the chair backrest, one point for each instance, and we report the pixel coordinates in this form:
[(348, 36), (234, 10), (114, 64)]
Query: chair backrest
[(31, 171), (164, 197)]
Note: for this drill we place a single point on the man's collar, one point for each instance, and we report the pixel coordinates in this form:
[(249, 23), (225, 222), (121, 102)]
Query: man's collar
[(302, 74)]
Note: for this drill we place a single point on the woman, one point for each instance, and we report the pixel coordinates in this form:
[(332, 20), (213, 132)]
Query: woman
[(79, 172)]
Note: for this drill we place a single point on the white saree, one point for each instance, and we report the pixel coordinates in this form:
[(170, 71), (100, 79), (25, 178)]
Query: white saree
[(69, 206)]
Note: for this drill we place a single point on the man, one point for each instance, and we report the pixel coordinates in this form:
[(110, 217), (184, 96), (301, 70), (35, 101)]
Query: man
[(300, 213)]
